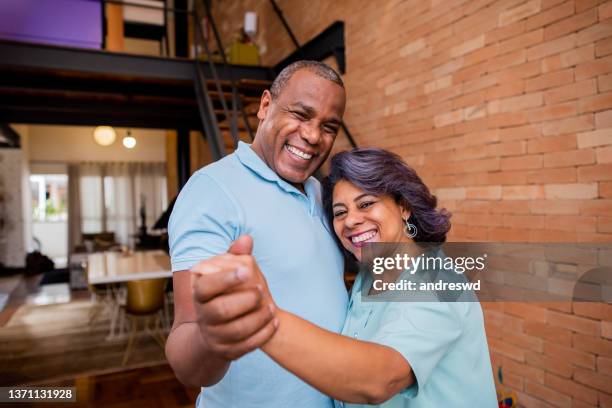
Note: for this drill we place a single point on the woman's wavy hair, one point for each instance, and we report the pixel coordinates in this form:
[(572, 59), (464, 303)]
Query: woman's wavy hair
[(380, 172)]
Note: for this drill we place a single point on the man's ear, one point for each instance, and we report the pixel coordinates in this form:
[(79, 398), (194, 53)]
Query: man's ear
[(264, 105)]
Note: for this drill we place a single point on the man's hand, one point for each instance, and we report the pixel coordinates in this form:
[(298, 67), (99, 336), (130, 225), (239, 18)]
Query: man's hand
[(236, 313)]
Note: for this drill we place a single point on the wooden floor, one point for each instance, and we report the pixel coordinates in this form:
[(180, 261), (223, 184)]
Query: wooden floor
[(64, 347), (146, 387)]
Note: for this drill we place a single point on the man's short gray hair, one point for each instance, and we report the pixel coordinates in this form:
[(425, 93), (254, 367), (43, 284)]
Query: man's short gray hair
[(316, 67)]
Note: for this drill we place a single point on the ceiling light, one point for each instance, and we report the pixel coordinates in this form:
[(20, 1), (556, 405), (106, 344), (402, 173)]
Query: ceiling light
[(129, 141), (104, 135)]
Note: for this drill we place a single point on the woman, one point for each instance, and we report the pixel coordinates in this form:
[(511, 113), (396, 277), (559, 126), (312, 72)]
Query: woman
[(395, 354)]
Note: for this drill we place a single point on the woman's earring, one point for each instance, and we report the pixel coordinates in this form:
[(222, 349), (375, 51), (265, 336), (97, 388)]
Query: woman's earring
[(410, 229)]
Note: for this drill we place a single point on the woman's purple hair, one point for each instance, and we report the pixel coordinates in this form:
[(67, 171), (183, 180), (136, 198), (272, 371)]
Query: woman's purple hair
[(380, 172)]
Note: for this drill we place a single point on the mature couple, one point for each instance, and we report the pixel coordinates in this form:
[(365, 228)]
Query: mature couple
[(262, 317)]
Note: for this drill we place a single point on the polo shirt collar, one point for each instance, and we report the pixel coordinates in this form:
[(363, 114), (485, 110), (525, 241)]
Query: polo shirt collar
[(250, 159)]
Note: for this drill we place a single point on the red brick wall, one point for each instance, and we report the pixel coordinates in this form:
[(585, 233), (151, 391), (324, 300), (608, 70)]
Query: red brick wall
[(505, 108)]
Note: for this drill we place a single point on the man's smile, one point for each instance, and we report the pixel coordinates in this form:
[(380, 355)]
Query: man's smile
[(299, 153)]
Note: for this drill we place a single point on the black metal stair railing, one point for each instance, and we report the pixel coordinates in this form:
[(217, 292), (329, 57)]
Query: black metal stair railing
[(205, 104)]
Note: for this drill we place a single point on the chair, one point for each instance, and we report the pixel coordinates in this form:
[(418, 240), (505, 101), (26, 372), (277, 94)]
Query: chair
[(145, 299)]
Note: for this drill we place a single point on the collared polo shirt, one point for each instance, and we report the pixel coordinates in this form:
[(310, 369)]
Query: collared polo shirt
[(294, 249), (444, 343)]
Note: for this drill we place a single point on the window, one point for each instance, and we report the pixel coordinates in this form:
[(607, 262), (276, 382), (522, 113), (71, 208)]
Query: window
[(49, 197)]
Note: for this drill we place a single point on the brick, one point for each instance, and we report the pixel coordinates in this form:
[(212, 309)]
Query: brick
[(569, 92), (438, 84), (546, 4), (525, 222), (575, 357), (547, 17), (522, 162), (574, 323), (522, 41), (504, 90), (520, 132), (506, 235), (603, 48), (604, 224), (518, 13), (468, 46), (508, 350), (605, 11), (571, 24), (569, 158), (596, 103), (581, 191), (597, 207), (570, 125), (552, 236), (548, 332), (569, 58), (604, 83), (606, 330), (522, 192), (597, 172), (560, 207), (586, 4), (599, 137), (604, 365), (594, 33), (510, 207), (526, 311), (605, 189), (551, 144), (604, 154), (593, 379), (571, 223), (448, 118), (502, 33), (603, 119), (550, 80), (551, 112), (547, 394), (484, 193), (605, 400), (590, 344), (551, 47), (521, 102), (552, 176), (531, 373), (571, 388), (589, 69)]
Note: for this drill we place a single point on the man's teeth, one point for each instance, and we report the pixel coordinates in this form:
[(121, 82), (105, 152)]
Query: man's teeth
[(363, 237), (298, 152)]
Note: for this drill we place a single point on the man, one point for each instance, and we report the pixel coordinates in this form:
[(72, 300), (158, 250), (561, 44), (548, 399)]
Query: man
[(265, 191)]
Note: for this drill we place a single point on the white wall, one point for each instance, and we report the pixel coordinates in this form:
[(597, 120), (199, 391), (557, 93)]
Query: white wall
[(12, 233), (49, 143)]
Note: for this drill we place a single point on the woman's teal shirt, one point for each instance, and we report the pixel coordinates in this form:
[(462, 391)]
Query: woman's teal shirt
[(444, 343)]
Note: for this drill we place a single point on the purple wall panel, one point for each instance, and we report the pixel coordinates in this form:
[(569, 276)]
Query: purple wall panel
[(76, 23)]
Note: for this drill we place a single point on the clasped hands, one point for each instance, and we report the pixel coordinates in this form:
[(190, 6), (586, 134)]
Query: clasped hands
[(235, 311)]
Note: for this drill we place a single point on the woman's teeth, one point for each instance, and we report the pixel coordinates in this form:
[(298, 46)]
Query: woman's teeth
[(297, 152), (363, 237)]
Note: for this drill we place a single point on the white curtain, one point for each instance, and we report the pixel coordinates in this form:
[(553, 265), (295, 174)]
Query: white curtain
[(113, 193)]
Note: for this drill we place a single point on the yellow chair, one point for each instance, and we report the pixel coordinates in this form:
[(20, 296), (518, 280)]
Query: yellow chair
[(145, 299)]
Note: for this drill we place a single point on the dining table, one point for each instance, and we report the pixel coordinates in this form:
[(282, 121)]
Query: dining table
[(112, 270)]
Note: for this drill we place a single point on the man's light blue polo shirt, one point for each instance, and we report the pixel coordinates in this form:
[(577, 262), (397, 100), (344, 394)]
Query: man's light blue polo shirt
[(444, 343), (293, 247)]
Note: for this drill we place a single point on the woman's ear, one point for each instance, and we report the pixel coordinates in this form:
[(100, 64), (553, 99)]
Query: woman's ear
[(405, 211)]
